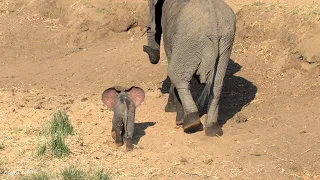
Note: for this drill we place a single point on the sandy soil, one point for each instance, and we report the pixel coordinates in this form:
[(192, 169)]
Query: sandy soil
[(63, 54)]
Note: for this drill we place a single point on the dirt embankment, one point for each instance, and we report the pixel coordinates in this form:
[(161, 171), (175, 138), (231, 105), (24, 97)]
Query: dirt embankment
[(58, 28), (274, 31), (40, 29), (63, 54)]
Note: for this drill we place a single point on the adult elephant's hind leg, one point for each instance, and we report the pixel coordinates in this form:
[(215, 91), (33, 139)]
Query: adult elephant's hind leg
[(212, 127), (191, 120), (181, 68)]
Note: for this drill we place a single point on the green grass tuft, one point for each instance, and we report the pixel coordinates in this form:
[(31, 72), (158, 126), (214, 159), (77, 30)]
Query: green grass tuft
[(42, 150), (3, 170), (1, 147), (37, 176), (308, 13), (258, 3), (60, 124), (73, 173), (58, 146), (57, 128), (70, 173), (101, 175)]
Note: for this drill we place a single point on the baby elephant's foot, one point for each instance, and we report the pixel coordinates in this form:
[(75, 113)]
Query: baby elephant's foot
[(117, 137), (213, 130), (192, 123), (119, 142), (129, 145)]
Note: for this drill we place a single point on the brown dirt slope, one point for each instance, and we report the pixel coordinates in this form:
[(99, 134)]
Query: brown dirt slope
[(63, 54)]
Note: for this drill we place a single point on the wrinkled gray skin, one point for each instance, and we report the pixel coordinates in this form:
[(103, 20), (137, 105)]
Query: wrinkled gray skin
[(124, 104), (198, 36)]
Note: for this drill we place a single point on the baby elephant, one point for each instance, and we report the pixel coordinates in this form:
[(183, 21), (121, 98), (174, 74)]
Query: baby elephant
[(123, 102)]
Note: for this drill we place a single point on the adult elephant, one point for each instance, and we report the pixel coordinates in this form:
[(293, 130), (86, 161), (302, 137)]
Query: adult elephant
[(198, 36)]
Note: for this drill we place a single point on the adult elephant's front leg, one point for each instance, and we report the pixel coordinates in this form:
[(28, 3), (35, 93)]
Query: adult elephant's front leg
[(172, 100), (181, 69), (174, 105)]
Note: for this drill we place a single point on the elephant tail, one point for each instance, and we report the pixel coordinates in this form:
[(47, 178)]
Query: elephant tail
[(123, 100), (212, 59)]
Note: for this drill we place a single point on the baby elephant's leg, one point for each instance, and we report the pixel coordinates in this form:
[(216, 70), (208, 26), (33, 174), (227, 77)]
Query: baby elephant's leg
[(129, 134), (116, 130)]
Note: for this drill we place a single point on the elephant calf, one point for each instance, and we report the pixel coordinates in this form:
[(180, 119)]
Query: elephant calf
[(198, 36), (123, 103)]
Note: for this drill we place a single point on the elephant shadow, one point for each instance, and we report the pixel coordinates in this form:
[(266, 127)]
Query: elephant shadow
[(139, 130), (237, 93)]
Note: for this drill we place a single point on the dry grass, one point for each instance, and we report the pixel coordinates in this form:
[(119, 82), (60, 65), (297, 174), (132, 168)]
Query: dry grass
[(69, 173), (308, 12)]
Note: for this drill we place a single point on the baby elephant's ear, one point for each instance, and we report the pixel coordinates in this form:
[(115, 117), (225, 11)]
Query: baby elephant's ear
[(108, 97), (136, 94)]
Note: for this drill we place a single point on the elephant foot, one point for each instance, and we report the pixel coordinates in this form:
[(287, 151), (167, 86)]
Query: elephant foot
[(179, 116), (129, 145), (117, 137), (192, 123), (119, 143), (179, 122), (154, 54), (214, 130), (170, 107)]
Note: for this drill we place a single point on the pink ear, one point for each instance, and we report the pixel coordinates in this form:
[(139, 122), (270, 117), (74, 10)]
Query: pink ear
[(136, 94), (108, 97)]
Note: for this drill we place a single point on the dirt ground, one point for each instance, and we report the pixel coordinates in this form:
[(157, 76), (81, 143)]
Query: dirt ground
[(63, 54)]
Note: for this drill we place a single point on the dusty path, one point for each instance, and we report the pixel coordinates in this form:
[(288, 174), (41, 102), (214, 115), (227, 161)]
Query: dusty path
[(277, 98)]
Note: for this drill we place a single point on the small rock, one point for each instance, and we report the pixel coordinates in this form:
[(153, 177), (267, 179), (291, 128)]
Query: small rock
[(256, 154), (309, 66), (302, 132), (84, 99), (37, 107), (209, 161), (309, 48), (3, 171), (71, 101), (183, 160), (240, 118)]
